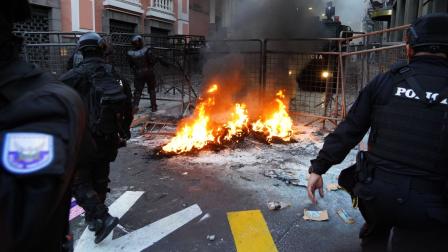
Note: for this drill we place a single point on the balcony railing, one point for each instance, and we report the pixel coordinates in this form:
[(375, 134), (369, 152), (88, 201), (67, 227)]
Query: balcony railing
[(166, 5), (163, 9), (132, 5)]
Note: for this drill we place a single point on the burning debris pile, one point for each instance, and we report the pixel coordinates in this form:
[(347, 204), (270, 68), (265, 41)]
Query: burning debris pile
[(203, 129)]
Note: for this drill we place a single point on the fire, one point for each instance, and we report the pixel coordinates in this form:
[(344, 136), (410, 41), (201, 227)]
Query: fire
[(213, 89), (200, 130), (238, 124), (278, 124), (193, 135)]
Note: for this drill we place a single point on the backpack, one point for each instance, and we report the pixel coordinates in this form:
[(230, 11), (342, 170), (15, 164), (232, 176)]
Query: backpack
[(106, 101)]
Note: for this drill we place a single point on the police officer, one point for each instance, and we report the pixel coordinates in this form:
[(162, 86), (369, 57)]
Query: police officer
[(402, 184), (76, 57), (102, 140), (142, 62), (41, 124)]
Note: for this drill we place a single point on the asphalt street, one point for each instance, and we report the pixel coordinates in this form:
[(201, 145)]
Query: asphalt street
[(218, 188)]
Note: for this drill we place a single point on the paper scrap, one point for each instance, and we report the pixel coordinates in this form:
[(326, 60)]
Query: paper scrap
[(276, 205), (75, 210), (345, 216), (333, 187), (315, 215)]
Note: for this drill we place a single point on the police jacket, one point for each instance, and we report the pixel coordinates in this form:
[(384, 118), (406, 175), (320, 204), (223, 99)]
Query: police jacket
[(77, 78), (142, 61), (408, 134), (41, 124)]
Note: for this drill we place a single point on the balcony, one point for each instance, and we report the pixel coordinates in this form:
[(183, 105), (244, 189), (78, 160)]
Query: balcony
[(129, 5), (162, 10)]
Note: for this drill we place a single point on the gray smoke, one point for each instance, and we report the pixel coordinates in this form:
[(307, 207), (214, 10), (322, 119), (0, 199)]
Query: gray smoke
[(352, 12), (284, 18)]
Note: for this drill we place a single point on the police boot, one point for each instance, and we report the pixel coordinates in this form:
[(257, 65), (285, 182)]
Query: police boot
[(106, 225)]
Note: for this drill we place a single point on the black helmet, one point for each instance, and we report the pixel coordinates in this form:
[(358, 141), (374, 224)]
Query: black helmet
[(430, 33), (91, 40), (13, 11), (137, 41)]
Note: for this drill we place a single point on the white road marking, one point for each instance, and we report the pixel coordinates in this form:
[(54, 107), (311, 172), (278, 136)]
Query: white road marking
[(142, 238), (117, 209)]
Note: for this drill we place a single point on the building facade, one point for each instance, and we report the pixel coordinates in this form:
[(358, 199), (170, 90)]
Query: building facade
[(393, 13), (45, 16), (162, 17)]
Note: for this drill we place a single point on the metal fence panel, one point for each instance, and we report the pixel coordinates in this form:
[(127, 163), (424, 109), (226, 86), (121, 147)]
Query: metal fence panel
[(307, 70)]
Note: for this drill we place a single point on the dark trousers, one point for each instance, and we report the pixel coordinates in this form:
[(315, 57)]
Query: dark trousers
[(413, 214), (90, 185), (139, 84)]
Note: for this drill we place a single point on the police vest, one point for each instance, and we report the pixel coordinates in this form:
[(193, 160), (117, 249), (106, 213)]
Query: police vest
[(412, 130), (140, 60)]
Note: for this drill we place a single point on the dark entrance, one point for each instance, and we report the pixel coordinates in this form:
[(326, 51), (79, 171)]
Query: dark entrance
[(117, 26), (159, 32)]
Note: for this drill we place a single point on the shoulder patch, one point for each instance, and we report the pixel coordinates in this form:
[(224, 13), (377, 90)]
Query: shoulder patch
[(26, 153)]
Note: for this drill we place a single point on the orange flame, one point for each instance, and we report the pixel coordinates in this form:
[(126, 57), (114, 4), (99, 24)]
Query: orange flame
[(199, 131), (278, 124), (238, 124), (213, 89), (195, 135)]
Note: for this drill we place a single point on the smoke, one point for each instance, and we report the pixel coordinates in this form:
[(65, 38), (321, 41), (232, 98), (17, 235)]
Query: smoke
[(351, 12), (272, 19), (283, 18), (231, 66)]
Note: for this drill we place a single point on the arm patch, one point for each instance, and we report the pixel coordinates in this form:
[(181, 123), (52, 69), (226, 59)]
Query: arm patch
[(27, 153)]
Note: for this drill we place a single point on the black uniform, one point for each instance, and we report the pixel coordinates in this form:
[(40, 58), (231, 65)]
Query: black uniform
[(142, 63), (41, 125), (408, 154), (92, 177)]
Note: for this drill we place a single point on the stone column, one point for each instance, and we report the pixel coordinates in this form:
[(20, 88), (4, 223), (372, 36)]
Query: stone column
[(420, 7), (411, 11), (399, 18), (212, 11)]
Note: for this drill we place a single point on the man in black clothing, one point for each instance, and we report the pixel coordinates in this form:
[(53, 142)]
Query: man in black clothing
[(108, 101), (402, 184), (41, 125), (142, 62)]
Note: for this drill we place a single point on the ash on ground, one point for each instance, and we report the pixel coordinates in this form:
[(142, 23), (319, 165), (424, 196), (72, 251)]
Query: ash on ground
[(284, 163)]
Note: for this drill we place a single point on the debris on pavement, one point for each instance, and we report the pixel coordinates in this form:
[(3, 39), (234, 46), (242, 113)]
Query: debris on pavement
[(333, 187), (211, 237), (288, 177), (185, 173), (206, 216), (277, 205), (315, 215), (246, 178), (346, 217)]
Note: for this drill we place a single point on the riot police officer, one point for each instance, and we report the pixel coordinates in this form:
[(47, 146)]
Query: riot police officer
[(41, 124), (142, 62), (402, 179), (108, 101)]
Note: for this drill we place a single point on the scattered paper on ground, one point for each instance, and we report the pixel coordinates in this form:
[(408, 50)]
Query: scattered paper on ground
[(276, 205), (75, 210), (345, 216), (333, 187), (315, 215)]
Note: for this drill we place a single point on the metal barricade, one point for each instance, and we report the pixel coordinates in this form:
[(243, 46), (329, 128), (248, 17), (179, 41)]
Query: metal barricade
[(322, 77), (362, 61), (308, 70)]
